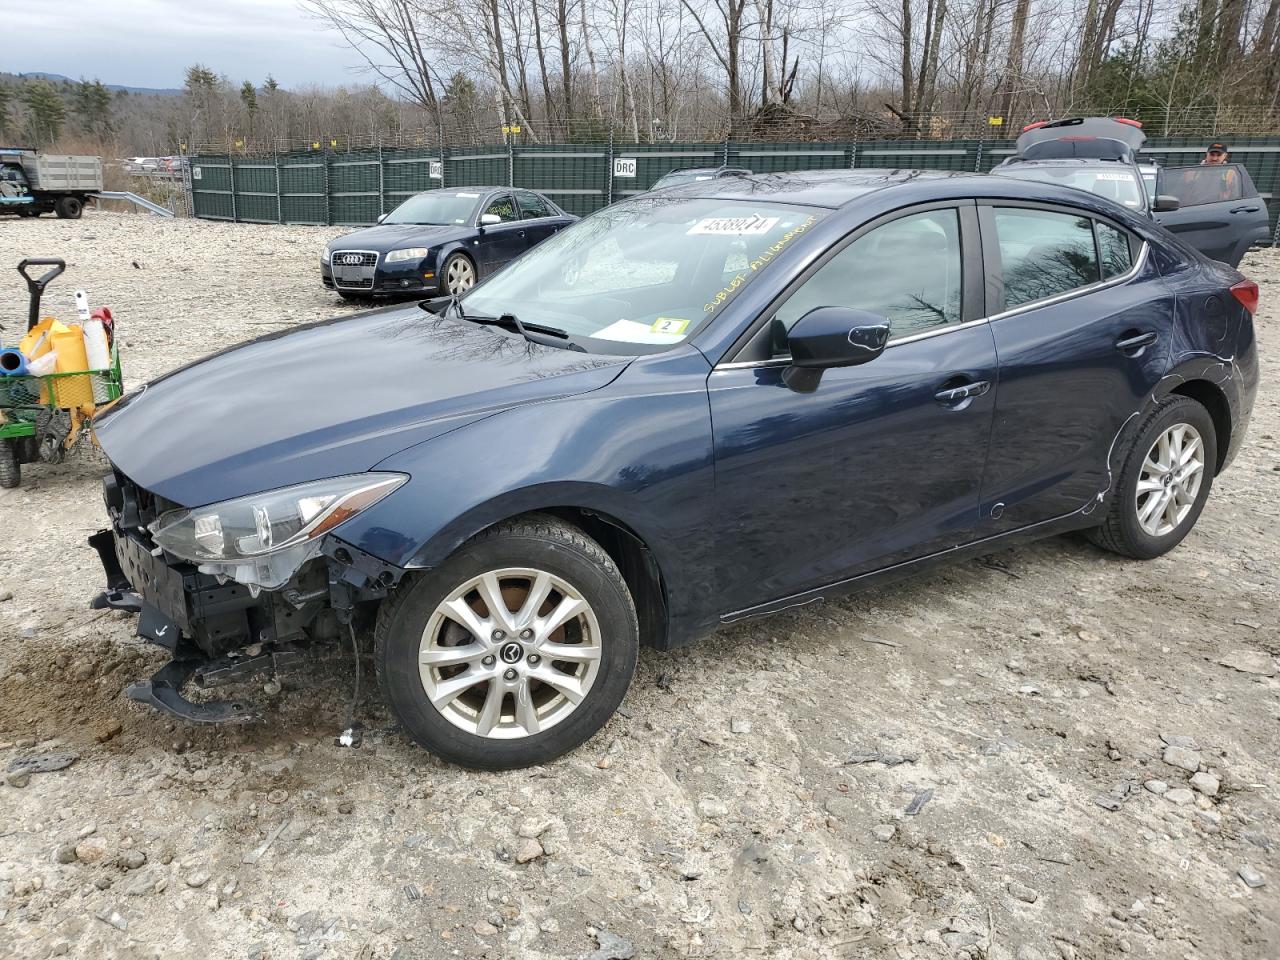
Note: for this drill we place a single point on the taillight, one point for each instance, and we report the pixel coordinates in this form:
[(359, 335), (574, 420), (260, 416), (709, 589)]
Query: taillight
[(1034, 126), (1246, 291), (1132, 123)]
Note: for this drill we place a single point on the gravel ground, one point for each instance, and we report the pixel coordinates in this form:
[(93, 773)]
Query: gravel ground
[(991, 761)]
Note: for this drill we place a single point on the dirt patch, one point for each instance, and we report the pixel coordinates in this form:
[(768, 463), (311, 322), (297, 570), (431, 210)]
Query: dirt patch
[(751, 799)]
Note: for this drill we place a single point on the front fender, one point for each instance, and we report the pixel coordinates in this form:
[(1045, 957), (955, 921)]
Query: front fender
[(639, 451)]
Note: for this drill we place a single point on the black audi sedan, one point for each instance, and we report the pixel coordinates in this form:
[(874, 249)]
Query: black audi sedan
[(692, 407), (441, 241)]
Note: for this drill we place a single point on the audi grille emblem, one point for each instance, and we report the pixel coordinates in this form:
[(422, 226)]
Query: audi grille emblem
[(352, 259)]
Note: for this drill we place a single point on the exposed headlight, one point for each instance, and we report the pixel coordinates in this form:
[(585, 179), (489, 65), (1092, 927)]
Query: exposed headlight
[(408, 253), (324, 255), (262, 524)]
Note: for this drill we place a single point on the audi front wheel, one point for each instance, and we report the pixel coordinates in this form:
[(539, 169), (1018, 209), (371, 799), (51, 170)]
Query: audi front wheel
[(514, 651)]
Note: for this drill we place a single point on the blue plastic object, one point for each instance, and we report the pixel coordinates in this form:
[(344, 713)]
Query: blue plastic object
[(12, 362)]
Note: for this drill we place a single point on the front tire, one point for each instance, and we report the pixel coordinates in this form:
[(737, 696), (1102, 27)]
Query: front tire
[(69, 208), (1164, 482), (513, 651), (10, 471), (458, 273)]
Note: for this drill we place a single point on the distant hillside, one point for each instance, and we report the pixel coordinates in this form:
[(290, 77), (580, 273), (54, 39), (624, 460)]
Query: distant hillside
[(60, 78)]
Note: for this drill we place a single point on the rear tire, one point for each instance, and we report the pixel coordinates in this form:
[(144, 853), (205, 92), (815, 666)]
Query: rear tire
[(10, 471), (1173, 440), (69, 208), (496, 665)]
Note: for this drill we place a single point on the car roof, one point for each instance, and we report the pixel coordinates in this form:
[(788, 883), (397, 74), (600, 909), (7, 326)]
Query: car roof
[(833, 189), (814, 188), (1067, 162)]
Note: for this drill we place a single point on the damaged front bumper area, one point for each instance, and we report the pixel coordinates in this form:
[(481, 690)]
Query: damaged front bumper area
[(218, 630)]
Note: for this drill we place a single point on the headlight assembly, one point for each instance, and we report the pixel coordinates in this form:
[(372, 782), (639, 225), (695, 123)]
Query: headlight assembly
[(324, 255), (408, 253), (262, 539)]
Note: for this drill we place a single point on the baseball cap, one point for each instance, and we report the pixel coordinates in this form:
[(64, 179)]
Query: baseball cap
[(1216, 147)]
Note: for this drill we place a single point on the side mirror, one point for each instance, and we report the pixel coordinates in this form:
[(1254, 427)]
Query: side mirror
[(832, 337), (486, 218), (1164, 203), (381, 217)]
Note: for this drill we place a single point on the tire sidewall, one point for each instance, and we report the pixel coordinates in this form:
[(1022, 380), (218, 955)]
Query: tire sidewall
[(70, 208), (1180, 410), (398, 654)]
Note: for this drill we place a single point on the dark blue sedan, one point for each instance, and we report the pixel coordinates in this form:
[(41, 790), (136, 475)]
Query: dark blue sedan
[(693, 407), (441, 241)]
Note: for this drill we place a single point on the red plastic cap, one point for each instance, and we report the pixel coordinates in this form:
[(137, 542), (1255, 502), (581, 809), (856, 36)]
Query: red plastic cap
[(1132, 123), (1246, 291), (1034, 126)]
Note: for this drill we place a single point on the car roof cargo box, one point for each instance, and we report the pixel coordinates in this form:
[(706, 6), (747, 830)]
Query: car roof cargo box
[(1092, 138)]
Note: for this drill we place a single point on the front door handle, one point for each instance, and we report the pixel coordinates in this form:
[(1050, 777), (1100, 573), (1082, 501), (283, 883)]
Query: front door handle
[(1134, 344), (1254, 209), (965, 391)]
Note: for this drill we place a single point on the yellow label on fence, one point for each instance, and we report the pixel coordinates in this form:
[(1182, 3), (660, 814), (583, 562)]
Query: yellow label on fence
[(995, 121)]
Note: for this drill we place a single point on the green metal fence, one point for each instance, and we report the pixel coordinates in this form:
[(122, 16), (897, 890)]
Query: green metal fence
[(329, 187)]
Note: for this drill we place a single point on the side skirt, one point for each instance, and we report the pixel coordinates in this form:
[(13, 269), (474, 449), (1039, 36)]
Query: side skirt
[(909, 568)]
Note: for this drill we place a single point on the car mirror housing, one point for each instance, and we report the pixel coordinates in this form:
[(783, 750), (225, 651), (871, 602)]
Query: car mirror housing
[(832, 337), (381, 217), (1165, 203), (487, 218)]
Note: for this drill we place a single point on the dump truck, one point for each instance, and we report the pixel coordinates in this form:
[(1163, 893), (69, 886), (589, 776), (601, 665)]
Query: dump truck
[(32, 183)]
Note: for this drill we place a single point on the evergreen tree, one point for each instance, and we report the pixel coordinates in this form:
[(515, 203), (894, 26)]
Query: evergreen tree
[(91, 101), (44, 110)]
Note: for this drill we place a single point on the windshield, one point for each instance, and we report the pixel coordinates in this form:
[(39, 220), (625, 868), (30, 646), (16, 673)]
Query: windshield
[(640, 276), (437, 207), (677, 177), (1118, 185)]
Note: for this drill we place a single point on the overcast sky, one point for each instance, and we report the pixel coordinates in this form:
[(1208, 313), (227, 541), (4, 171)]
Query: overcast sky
[(150, 43)]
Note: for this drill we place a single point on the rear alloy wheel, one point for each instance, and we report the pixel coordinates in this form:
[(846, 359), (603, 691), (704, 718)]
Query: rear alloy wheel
[(69, 208), (459, 274), (1164, 482), (514, 651), (10, 471)]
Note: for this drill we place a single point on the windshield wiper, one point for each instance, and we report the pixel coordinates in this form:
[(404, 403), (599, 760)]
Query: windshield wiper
[(533, 332)]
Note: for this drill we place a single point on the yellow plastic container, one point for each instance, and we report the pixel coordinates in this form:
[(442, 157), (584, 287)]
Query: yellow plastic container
[(36, 343), (70, 392)]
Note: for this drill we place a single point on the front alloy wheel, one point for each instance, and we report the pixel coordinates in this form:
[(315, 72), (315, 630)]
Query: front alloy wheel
[(459, 274), (514, 650), (510, 653)]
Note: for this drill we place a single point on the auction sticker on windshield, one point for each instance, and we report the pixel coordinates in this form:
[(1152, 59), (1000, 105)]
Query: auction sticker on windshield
[(753, 225)]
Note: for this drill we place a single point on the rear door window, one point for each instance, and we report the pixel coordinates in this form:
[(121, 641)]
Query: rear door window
[(1044, 254), (532, 206)]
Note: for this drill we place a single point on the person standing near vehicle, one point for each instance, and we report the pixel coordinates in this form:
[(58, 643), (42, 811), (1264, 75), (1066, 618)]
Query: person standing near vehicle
[(1216, 153)]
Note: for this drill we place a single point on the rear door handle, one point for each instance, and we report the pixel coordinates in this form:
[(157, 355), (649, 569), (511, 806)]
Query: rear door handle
[(966, 391), (1245, 209), (1134, 345)]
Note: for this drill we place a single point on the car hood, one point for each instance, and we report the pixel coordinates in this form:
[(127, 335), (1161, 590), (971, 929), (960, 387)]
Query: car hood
[(328, 399), (394, 236)]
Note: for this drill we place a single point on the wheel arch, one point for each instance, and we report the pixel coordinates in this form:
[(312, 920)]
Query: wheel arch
[(1212, 398), (639, 563)]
